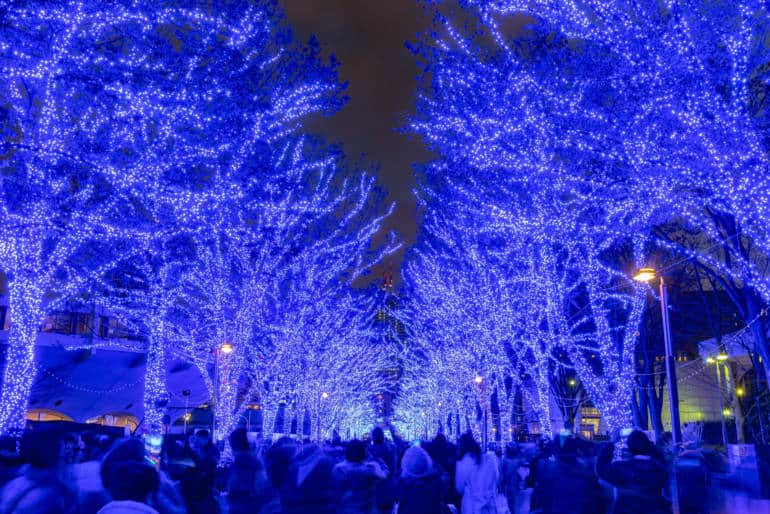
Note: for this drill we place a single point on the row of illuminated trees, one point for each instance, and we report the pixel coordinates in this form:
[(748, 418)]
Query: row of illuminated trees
[(153, 161), (577, 142)]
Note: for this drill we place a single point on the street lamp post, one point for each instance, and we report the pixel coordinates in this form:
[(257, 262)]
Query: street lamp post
[(720, 358), (224, 349), (187, 416), (479, 380), (324, 395), (647, 275)]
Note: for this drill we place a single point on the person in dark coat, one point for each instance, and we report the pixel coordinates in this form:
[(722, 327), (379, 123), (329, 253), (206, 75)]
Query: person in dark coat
[(278, 460), (565, 484), (383, 451), (167, 500), (131, 486), (358, 481), (247, 482), (308, 485), (420, 489), (510, 479), (640, 480), (444, 457)]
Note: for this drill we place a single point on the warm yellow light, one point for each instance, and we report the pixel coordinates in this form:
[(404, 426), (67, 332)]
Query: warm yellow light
[(572, 382), (324, 395), (226, 348), (479, 379), (645, 275), (722, 357), (726, 411), (187, 417), (740, 391), (710, 360)]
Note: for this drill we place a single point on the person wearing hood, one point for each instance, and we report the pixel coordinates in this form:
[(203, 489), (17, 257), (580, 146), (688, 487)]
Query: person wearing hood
[(420, 489), (308, 486)]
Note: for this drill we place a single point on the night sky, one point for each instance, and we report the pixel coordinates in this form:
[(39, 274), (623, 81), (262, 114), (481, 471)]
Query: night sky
[(368, 37)]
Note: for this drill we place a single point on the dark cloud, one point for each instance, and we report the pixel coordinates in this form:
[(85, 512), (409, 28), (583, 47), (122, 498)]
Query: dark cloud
[(368, 37)]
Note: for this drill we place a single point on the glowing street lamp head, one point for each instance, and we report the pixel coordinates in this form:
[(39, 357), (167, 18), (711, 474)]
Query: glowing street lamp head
[(722, 357), (710, 360), (645, 275), (740, 391), (227, 348), (572, 382)]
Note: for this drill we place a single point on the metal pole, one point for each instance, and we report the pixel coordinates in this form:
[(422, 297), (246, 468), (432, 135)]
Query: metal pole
[(735, 402), (186, 410), (673, 392), (215, 397), (721, 407), (756, 400)]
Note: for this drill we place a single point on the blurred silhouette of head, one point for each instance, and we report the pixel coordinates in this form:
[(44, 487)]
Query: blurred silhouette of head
[(416, 463), (378, 436), (278, 459), (355, 451), (131, 481), (41, 448), (239, 440), (468, 445), (637, 443), (568, 449), (439, 441), (512, 451)]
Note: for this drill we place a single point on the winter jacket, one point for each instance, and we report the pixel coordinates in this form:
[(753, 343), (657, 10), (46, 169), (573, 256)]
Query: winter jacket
[(309, 486), (37, 491), (477, 483), (357, 485), (566, 485), (88, 483), (248, 487), (640, 482), (127, 507), (421, 495), (386, 454)]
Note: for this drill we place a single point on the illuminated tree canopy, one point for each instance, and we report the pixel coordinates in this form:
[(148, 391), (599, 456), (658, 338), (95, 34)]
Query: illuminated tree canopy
[(571, 137), (155, 162)]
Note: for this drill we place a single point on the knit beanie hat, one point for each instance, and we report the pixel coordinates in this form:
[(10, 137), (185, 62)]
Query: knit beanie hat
[(416, 463)]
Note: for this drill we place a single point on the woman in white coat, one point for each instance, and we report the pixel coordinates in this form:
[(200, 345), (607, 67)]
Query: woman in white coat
[(476, 478)]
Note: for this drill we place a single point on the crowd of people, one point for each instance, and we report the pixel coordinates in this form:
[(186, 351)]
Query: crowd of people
[(92, 474)]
